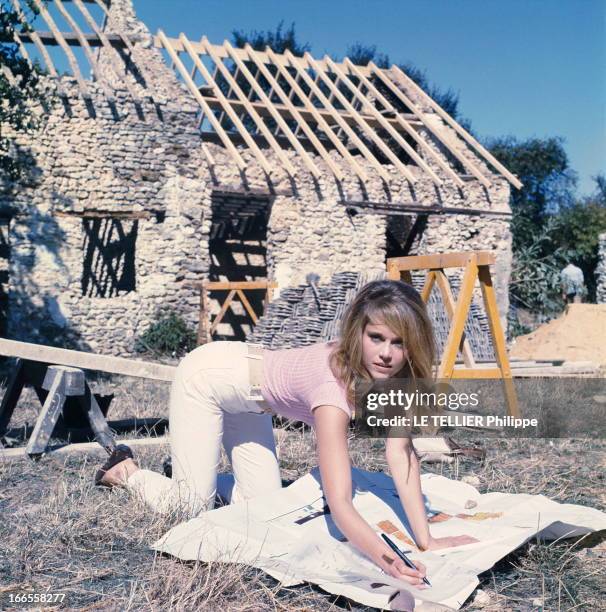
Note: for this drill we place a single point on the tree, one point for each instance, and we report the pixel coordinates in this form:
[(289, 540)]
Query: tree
[(20, 90), (549, 182), (279, 40), (578, 227), (550, 226)]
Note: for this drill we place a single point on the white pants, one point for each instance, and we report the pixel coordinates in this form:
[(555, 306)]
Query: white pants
[(210, 404)]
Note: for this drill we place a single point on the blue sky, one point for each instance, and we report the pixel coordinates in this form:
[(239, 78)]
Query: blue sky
[(521, 67)]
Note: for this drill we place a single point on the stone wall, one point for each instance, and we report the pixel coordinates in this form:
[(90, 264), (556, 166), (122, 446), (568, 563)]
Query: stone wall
[(135, 162), (600, 271), (104, 178)]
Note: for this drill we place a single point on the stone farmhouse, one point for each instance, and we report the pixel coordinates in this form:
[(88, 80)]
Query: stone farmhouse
[(164, 161)]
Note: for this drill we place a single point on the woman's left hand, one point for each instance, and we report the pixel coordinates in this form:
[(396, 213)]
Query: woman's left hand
[(447, 542)]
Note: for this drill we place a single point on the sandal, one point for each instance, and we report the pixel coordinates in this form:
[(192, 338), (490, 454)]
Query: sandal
[(119, 454)]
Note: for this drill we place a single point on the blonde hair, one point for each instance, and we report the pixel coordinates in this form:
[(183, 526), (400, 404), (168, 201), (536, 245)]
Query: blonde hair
[(397, 305)]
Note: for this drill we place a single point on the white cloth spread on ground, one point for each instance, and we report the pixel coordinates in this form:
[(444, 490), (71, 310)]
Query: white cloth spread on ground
[(291, 535)]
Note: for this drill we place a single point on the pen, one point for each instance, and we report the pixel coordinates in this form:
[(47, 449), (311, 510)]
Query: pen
[(402, 556)]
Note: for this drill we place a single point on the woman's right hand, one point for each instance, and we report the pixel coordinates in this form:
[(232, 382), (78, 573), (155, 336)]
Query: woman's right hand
[(396, 568)]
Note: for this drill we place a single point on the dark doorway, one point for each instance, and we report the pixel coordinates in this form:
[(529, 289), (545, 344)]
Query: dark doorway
[(109, 256), (238, 252), (403, 234)]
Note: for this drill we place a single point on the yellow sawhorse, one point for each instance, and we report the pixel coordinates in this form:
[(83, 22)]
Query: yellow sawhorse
[(476, 267)]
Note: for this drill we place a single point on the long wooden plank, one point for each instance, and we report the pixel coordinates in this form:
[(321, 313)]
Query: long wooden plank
[(449, 304), (320, 120), (295, 113), (7, 454), (23, 50), (498, 338), (430, 280), (444, 260), (119, 39), (249, 108), (459, 317), (231, 149), (86, 361), (246, 303), (224, 285), (71, 58), (209, 156), (366, 153), (460, 130), (437, 133), (86, 49), (378, 140), (224, 307), (274, 113), (406, 125), (48, 38)]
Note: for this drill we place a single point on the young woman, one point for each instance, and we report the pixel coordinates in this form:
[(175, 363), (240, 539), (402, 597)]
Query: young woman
[(222, 390)]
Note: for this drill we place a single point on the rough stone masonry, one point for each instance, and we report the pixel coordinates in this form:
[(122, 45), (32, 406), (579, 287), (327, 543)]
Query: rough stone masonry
[(113, 222)]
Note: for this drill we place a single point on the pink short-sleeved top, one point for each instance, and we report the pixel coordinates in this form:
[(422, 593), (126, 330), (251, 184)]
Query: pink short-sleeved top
[(295, 381)]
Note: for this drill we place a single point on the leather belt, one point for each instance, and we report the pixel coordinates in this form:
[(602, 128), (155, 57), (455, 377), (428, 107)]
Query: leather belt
[(255, 375)]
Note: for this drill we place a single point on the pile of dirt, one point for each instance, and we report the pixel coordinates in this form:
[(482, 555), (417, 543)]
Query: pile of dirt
[(578, 335)]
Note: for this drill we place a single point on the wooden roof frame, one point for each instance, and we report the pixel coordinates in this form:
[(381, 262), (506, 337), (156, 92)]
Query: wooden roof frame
[(312, 105)]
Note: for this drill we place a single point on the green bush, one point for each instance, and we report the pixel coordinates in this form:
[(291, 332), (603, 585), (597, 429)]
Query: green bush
[(169, 335), (535, 275)]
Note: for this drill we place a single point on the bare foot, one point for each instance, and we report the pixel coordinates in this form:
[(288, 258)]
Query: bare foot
[(117, 475)]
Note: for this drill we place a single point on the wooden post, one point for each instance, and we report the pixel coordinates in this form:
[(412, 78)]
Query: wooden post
[(203, 324), (498, 339), (459, 316)]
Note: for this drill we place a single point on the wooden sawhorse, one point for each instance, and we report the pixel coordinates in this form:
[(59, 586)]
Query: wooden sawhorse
[(476, 267), (57, 374), (53, 385)]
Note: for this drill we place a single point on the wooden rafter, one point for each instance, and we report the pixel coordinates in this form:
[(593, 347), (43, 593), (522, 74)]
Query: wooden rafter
[(365, 103), (249, 109), (207, 110), (438, 133), (274, 113), (293, 82), (285, 102), (295, 113), (71, 58), (405, 123), (112, 52), (362, 124), (86, 48), (460, 131)]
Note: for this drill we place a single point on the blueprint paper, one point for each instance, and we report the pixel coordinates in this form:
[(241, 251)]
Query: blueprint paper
[(290, 535)]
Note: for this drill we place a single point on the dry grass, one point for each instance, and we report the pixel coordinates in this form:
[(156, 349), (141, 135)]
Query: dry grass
[(59, 532)]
